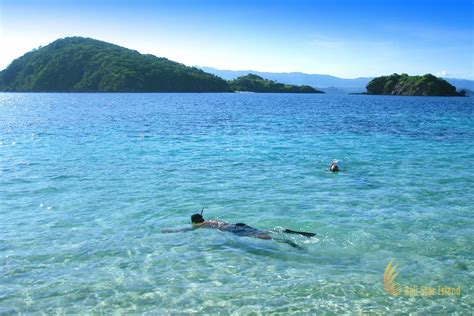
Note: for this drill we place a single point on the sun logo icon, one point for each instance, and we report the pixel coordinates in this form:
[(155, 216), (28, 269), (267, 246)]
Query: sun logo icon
[(389, 284)]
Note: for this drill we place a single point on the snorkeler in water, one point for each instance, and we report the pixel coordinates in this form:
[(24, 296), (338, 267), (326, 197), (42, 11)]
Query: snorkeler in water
[(334, 167), (239, 229)]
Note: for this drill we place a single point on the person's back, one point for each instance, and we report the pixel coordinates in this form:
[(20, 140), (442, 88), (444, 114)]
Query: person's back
[(239, 229)]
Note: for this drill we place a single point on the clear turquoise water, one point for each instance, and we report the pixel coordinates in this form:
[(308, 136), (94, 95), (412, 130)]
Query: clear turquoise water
[(88, 181)]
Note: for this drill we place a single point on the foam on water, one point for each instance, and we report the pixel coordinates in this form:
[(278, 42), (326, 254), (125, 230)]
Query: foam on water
[(88, 181)]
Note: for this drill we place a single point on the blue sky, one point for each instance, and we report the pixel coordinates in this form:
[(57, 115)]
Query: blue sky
[(342, 38)]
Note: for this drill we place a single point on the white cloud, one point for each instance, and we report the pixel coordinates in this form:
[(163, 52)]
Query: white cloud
[(442, 74)]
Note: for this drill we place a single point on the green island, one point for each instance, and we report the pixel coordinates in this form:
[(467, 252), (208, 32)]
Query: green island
[(254, 83), (426, 85), (78, 64)]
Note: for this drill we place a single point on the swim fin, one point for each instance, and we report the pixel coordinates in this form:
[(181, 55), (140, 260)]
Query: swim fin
[(289, 231), (289, 242)]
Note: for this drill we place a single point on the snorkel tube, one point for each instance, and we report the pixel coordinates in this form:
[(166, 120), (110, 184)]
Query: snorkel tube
[(197, 219)]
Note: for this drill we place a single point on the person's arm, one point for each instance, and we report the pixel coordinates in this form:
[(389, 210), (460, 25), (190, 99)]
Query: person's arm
[(176, 230)]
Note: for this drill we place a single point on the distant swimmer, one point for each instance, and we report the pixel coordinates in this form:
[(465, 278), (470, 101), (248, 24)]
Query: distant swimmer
[(239, 229), (334, 167)]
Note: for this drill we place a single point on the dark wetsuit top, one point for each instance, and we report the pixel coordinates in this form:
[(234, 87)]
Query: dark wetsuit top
[(239, 229), (242, 229)]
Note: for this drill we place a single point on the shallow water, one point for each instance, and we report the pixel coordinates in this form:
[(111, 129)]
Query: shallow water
[(88, 181)]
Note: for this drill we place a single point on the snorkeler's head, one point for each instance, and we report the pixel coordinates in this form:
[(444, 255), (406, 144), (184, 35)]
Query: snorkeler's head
[(197, 219)]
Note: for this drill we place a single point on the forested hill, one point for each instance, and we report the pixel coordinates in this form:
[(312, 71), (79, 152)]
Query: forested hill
[(77, 64), (427, 85), (254, 83)]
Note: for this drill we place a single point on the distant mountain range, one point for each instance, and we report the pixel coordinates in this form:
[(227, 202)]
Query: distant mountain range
[(326, 83)]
